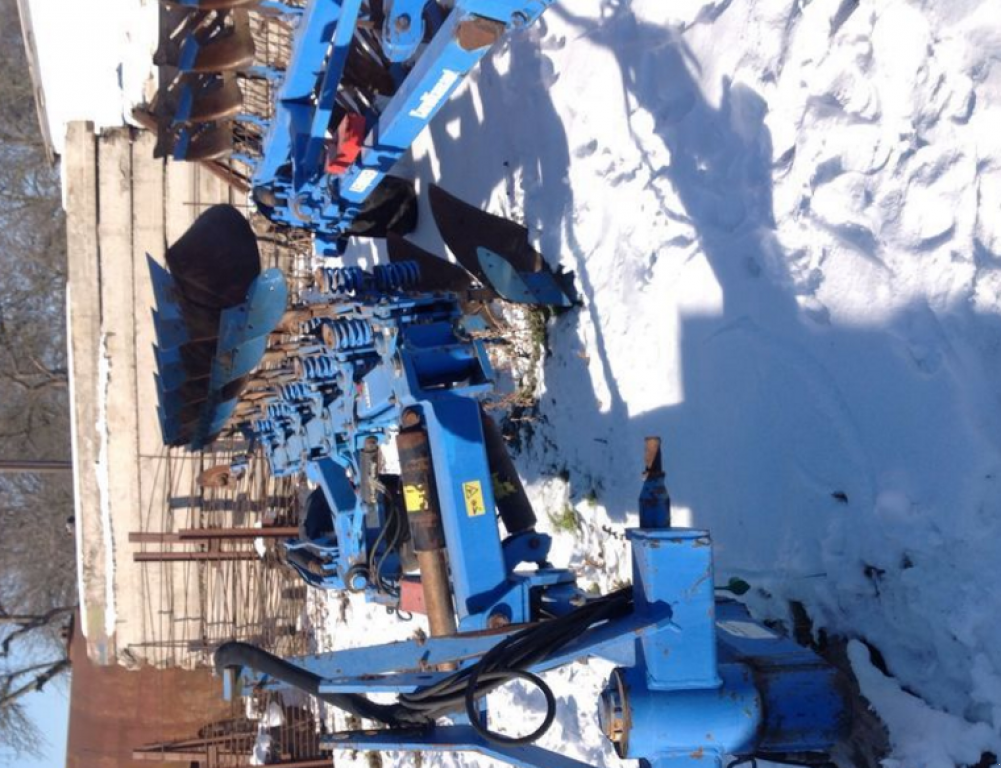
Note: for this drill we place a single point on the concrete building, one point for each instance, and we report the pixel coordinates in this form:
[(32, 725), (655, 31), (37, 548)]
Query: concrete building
[(134, 497)]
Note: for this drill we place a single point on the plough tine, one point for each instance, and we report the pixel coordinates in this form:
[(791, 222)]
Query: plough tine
[(208, 41), (179, 367), (497, 251), (168, 320), (171, 332), (535, 288), (196, 357), (464, 228), (178, 410), (164, 290), (170, 429), (174, 401), (164, 144), (258, 316), (191, 25), (230, 52), (214, 421), (170, 369), (206, 100), (215, 262), (213, 141)]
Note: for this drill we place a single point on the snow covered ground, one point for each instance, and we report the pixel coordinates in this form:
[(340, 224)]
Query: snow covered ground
[(785, 220)]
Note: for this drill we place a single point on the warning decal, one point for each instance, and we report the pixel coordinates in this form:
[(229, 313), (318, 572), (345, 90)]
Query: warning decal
[(414, 498), (473, 494)]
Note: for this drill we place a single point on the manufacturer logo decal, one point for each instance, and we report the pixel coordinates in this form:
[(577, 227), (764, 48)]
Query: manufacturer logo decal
[(431, 99), (363, 181)]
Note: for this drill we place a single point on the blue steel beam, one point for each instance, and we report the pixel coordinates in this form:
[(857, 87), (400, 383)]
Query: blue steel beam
[(613, 641), (314, 32), (307, 162), (480, 580), (292, 184), (456, 738), (398, 666), (433, 79)]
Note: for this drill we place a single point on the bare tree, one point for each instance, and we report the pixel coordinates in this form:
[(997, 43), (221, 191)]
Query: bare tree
[(33, 653), (37, 568), (37, 603), (21, 735), (29, 674), (33, 410)]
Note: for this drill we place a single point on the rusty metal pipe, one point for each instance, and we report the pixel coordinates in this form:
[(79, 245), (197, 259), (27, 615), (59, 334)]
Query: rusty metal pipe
[(424, 516), (655, 502), (652, 461), (437, 593), (193, 557)]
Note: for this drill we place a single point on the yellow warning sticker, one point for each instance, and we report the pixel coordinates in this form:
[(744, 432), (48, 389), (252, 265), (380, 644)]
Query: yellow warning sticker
[(414, 498), (473, 493)]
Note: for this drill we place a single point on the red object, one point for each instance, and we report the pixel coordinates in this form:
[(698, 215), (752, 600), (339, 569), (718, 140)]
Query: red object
[(344, 149), (412, 595)]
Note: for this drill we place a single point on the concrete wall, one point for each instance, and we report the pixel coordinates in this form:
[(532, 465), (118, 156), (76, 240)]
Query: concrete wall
[(121, 205)]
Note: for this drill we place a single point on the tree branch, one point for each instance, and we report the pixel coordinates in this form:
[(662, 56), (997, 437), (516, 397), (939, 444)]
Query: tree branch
[(53, 669), (29, 623)]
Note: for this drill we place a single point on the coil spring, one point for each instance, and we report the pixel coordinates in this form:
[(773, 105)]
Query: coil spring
[(343, 335), (294, 393), (319, 367), (397, 277), (341, 280), (313, 326), (264, 429), (280, 411)]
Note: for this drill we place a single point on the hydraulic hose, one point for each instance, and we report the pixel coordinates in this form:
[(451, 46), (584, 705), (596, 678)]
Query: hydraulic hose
[(509, 660), (234, 655)]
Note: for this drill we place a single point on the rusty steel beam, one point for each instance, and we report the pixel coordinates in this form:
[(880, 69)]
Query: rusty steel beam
[(147, 537), (424, 516), (193, 557), (273, 532), (202, 534)]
